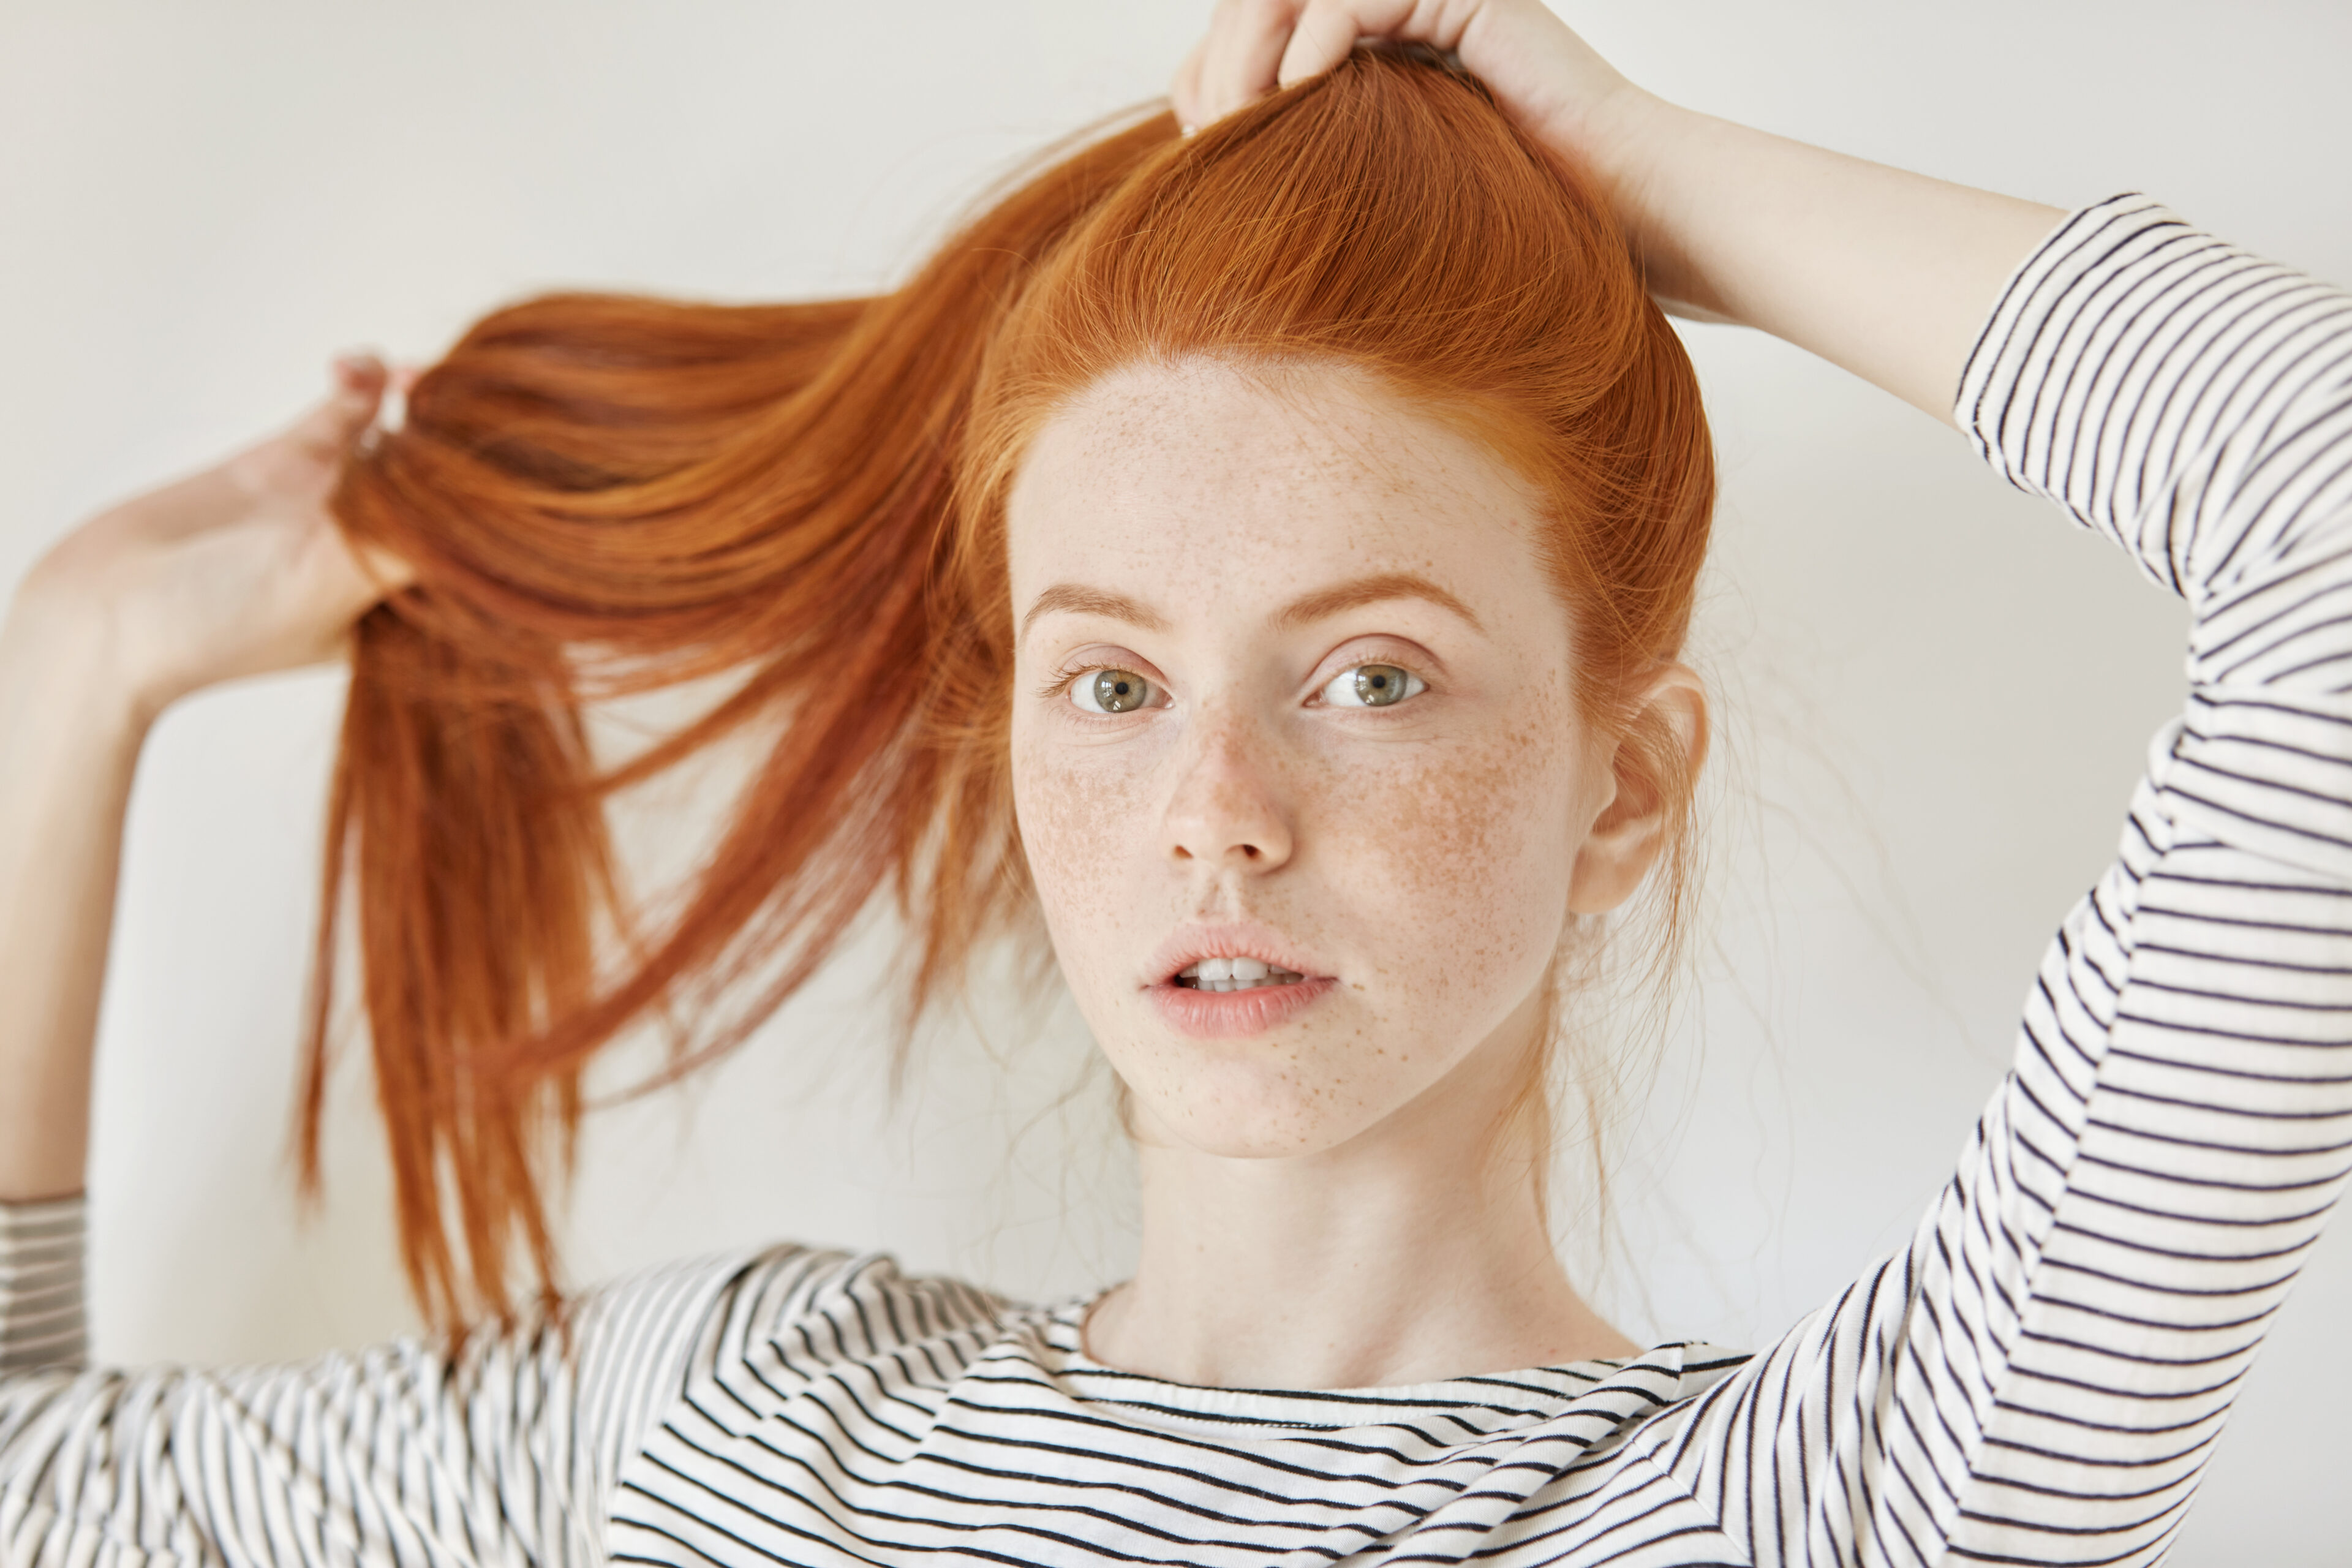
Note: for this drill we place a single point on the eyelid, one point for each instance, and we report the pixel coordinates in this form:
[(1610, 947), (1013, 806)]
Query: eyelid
[(1389, 648), (1095, 656), (1406, 655), (1414, 685), (1059, 687)]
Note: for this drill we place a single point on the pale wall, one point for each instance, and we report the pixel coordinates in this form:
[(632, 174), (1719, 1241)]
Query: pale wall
[(1936, 695)]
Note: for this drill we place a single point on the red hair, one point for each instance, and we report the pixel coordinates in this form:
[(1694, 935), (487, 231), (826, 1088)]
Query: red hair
[(606, 494)]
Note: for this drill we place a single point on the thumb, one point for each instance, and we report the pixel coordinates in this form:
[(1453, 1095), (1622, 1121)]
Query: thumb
[(387, 572), (326, 431)]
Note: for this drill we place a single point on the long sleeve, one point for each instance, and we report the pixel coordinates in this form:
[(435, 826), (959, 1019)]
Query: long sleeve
[(2040, 1375), (42, 1320), (503, 1451)]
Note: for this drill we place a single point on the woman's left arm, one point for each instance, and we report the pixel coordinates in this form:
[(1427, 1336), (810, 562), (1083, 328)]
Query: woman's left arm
[(2040, 1377)]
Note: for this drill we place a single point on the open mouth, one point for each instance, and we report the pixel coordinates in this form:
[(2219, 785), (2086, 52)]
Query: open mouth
[(1234, 975), (1226, 998)]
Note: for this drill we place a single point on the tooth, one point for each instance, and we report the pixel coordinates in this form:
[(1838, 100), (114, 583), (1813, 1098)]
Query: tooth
[(1249, 968), (1216, 969), (1190, 972)]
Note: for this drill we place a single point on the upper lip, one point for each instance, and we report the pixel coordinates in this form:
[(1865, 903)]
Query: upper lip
[(1229, 939)]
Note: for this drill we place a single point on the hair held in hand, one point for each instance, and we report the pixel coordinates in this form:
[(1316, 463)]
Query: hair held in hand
[(606, 494)]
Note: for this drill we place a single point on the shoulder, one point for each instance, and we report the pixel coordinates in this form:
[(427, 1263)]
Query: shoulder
[(812, 1306), (743, 1331), (830, 1307)]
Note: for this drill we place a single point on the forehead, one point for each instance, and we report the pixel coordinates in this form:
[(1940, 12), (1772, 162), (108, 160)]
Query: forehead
[(1302, 470)]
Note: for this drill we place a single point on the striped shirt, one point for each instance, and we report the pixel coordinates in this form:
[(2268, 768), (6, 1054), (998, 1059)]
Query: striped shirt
[(2037, 1377)]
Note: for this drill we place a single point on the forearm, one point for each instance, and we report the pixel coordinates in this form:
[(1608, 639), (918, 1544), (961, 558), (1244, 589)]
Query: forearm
[(70, 748), (236, 571), (1887, 273)]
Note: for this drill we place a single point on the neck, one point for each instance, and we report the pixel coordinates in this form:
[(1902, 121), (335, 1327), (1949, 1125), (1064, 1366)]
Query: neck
[(1414, 1253)]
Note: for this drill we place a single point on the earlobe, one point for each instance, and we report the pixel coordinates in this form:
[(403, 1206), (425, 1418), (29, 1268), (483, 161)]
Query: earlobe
[(1653, 768)]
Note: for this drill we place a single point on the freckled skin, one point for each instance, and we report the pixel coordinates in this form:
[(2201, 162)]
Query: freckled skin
[(1424, 854)]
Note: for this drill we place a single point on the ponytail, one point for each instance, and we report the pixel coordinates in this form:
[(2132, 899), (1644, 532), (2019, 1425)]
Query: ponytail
[(603, 494)]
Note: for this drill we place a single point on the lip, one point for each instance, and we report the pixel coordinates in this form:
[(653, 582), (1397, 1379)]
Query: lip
[(1229, 939), (1225, 1014)]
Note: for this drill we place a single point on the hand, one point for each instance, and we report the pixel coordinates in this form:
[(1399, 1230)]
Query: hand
[(236, 571), (1887, 273), (1549, 80)]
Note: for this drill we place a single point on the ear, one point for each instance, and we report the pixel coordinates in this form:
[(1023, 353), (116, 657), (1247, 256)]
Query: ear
[(1652, 765)]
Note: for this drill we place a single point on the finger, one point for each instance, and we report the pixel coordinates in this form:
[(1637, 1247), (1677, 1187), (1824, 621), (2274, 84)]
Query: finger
[(1327, 29), (343, 579), (327, 431), (1184, 92), (1244, 47), (389, 572), (1325, 33), (360, 377)]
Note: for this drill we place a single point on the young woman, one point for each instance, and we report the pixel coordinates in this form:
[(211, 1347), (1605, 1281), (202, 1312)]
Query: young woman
[(1259, 548)]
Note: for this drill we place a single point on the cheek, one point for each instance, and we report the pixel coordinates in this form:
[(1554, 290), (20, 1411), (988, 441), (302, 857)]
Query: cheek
[(1471, 848), (1081, 825)]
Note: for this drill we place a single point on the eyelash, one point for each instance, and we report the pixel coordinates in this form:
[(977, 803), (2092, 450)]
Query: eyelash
[(1060, 686)]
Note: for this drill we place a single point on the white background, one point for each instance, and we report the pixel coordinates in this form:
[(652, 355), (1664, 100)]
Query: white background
[(1936, 695)]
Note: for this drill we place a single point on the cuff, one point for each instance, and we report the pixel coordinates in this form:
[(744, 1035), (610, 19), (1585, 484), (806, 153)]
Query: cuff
[(44, 1323)]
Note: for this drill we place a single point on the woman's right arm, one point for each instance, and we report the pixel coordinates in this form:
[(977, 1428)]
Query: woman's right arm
[(70, 753), (62, 793), (236, 571), (504, 1447)]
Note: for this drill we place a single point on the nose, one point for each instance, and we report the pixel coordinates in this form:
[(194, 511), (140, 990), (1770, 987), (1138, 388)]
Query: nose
[(1226, 812)]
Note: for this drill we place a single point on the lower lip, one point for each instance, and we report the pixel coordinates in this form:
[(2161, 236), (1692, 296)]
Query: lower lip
[(1225, 1015)]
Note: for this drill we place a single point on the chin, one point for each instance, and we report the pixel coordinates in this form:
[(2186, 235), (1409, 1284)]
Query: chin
[(1250, 1111)]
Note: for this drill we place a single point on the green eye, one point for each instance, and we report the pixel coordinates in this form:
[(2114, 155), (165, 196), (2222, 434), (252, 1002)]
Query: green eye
[(1111, 691), (1372, 686)]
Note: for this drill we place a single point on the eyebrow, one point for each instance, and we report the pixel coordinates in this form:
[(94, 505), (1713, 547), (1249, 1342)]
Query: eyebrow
[(1076, 598), (1325, 603)]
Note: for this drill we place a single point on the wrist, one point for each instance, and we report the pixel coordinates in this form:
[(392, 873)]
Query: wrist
[(62, 684), (1671, 171), (1631, 143)]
